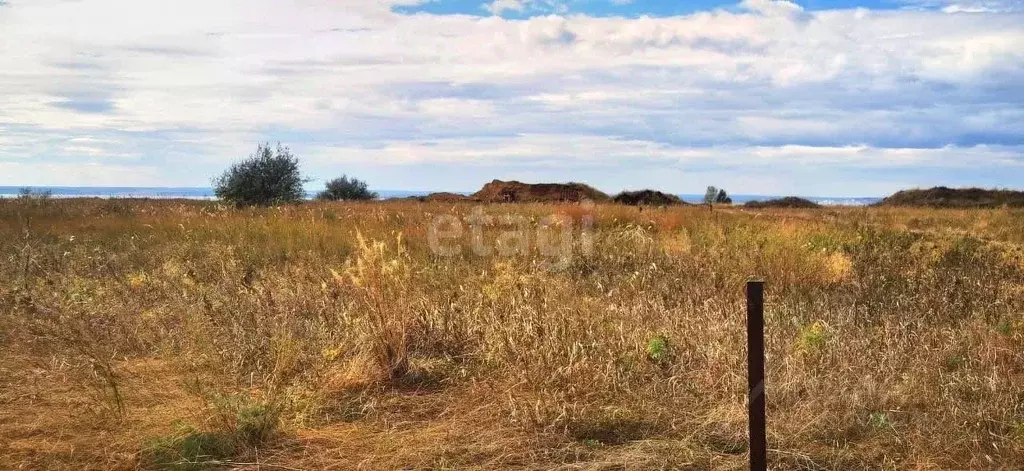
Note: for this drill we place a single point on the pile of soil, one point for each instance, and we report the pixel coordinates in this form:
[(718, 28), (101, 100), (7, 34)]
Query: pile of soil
[(444, 197), (647, 198), (943, 197), (499, 191), (787, 202)]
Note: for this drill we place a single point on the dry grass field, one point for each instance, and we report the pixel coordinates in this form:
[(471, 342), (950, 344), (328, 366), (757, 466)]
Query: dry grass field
[(185, 335)]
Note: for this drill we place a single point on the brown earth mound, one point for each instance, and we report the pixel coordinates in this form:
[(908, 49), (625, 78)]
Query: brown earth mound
[(943, 197), (787, 202), (648, 198), (445, 196), (513, 191)]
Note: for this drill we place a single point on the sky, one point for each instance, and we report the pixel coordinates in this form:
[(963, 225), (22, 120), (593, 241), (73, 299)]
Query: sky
[(817, 97)]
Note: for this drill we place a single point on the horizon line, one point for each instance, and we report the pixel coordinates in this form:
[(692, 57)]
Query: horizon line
[(466, 192)]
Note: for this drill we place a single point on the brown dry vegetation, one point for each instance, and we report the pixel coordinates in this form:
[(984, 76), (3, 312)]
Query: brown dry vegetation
[(498, 191), (943, 197), (142, 334)]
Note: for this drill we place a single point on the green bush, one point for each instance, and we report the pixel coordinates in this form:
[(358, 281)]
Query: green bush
[(268, 177), (658, 349), (345, 188)]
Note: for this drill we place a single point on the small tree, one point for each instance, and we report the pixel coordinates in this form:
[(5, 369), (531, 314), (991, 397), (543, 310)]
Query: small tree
[(723, 198), (345, 188), (268, 177), (710, 195)]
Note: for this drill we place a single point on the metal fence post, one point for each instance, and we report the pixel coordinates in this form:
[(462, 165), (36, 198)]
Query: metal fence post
[(755, 376)]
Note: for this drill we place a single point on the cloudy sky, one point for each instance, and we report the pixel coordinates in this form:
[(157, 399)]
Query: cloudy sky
[(819, 97)]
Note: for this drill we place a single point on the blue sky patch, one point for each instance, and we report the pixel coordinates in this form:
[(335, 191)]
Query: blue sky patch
[(86, 105)]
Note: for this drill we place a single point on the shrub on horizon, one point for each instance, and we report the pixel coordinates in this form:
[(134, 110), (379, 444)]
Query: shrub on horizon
[(267, 177), (345, 188), (723, 197)]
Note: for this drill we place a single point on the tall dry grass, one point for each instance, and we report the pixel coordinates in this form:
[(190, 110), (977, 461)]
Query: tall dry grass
[(189, 335)]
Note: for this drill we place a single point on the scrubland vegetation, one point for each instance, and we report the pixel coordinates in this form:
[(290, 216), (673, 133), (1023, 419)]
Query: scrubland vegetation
[(188, 335), (943, 197), (786, 202)]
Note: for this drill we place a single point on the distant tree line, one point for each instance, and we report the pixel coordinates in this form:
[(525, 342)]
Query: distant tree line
[(271, 176)]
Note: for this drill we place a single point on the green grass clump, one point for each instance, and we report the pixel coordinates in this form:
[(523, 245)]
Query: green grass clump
[(241, 427)]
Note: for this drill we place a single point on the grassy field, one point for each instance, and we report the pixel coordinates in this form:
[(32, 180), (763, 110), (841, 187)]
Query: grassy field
[(184, 335)]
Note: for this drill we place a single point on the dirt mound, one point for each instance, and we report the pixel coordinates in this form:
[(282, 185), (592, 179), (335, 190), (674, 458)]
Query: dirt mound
[(499, 191), (445, 197), (943, 197), (787, 202), (648, 198)]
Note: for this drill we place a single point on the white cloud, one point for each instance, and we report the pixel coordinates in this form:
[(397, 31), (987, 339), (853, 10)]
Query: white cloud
[(563, 149), (200, 81), (79, 174)]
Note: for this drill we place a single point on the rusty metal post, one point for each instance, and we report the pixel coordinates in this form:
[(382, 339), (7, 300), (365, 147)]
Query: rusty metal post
[(755, 376)]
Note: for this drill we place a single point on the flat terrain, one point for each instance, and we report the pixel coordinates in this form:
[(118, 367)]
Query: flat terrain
[(186, 335)]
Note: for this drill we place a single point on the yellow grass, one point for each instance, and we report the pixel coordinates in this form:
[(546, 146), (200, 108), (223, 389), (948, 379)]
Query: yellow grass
[(331, 336)]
